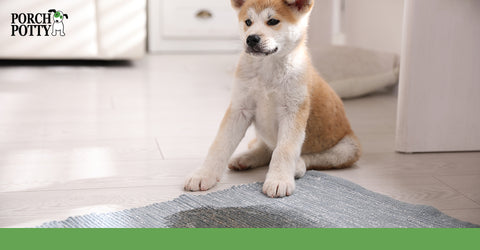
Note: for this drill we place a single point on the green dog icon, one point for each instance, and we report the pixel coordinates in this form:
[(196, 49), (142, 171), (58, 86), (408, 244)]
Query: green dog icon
[(57, 25)]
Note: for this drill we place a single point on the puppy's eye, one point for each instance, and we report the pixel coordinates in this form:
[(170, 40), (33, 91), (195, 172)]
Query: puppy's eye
[(273, 22), (248, 22)]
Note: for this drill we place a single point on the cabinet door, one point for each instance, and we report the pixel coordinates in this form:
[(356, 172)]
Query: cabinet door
[(439, 95), (192, 25), (195, 19)]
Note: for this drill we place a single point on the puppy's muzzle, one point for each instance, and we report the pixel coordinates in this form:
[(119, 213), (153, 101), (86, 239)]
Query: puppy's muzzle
[(253, 40)]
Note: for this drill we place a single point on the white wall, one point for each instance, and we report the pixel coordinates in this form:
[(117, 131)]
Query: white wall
[(370, 24), (320, 32), (374, 24)]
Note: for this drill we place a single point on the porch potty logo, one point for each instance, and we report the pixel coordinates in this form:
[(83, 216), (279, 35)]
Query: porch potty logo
[(39, 24)]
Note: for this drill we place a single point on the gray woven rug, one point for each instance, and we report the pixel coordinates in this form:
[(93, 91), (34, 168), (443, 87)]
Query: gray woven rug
[(320, 201)]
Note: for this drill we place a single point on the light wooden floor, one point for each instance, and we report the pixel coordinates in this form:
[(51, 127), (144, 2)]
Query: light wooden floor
[(79, 139)]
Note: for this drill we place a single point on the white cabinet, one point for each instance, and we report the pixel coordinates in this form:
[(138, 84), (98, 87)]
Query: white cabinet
[(94, 29), (192, 25)]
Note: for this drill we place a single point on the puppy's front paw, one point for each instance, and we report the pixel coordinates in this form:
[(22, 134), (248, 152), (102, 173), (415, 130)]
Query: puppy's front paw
[(201, 181), (279, 187)]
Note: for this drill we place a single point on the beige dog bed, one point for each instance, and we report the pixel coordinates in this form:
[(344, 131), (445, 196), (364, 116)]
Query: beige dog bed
[(354, 72)]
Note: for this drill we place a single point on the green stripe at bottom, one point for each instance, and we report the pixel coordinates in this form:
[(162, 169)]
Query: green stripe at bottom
[(239, 239)]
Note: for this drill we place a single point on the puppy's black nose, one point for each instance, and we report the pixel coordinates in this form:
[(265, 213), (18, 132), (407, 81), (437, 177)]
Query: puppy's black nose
[(253, 40)]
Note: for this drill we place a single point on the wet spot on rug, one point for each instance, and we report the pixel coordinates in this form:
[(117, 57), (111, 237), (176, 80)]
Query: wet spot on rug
[(238, 217)]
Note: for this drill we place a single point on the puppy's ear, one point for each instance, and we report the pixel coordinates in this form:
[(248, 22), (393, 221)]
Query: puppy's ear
[(65, 15), (302, 6), (52, 10), (237, 4)]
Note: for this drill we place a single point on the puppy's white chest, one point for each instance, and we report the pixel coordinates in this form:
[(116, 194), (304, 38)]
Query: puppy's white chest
[(266, 117), (274, 90)]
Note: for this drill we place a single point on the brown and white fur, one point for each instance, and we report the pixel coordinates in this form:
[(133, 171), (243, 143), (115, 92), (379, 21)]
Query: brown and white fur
[(300, 121)]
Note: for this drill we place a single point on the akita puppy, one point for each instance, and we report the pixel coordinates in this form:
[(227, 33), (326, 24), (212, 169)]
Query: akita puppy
[(299, 120)]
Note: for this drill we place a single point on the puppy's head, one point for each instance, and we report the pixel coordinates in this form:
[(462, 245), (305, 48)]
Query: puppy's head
[(270, 27)]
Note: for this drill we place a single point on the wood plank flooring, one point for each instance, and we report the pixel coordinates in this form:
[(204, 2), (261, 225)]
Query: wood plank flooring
[(77, 138)]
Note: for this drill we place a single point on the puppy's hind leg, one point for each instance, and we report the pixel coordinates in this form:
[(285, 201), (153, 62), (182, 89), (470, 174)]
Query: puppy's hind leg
[(300, 168), (258, 155), (343, 155)]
